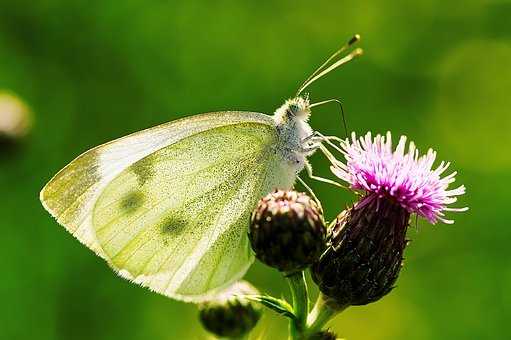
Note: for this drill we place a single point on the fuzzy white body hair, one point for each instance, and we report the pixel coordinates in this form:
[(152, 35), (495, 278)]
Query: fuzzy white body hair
[(291, 121)]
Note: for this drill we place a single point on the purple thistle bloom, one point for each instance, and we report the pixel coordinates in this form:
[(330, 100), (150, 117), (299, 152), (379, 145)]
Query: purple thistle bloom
[(402, 177)]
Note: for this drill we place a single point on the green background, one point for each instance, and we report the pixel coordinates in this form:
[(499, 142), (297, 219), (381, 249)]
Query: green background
[(437, 71)]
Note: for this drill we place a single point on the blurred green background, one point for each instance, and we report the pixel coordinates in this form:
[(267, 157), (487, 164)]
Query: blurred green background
[(91, 71)]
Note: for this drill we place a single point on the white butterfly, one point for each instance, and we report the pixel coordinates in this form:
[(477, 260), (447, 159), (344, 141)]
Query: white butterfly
[(168, 207)]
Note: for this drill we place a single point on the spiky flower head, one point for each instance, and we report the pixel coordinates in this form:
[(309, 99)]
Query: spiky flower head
[(230, 314), (365, 246), (287, 231), (398, 175)]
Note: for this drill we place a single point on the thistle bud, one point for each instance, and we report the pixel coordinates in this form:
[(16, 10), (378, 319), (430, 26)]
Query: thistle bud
[(229, 314), (287, 231), (364, 253)]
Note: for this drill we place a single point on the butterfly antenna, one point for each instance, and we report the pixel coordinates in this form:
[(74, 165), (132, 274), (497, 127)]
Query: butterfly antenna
[(342, 111), (343, 48), (324, 68)]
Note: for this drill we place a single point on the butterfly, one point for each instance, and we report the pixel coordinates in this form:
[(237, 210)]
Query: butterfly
[(168, 207)]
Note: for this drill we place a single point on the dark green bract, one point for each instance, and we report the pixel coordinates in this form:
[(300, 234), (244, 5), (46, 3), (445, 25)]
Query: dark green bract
[(364, 254)]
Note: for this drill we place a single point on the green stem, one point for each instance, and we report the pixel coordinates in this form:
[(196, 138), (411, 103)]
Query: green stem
[(321, 314), (300, 298)]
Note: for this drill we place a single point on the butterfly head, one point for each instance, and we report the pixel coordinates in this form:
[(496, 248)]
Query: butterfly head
[(296, 109)]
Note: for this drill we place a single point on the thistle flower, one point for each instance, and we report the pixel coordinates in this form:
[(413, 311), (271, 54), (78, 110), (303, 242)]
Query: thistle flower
[(366, 244), (399, 176), (287, 231), (229, 314)]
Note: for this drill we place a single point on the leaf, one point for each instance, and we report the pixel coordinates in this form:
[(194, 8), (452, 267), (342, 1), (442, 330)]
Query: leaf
[(280, 306)]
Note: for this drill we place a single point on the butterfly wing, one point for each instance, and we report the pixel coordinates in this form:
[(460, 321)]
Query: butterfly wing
[(168, 207)]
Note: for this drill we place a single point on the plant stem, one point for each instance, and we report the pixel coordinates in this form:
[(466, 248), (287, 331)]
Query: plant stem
[(321, 314), (300, 298)]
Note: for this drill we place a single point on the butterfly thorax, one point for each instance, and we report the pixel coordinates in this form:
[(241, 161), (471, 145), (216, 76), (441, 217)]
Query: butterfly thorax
[(292, 128)]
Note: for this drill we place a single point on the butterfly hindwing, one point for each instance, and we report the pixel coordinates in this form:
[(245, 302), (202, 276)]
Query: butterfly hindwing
[(180, 229), (168, 207)]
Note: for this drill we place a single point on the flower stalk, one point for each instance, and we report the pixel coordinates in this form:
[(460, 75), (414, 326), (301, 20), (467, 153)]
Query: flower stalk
[(321, 314), (300, 298)]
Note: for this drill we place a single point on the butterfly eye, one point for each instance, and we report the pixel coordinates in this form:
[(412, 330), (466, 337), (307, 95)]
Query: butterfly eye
[(292, 110)]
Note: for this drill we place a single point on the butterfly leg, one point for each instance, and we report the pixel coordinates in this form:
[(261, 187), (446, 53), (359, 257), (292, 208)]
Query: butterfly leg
[(317, 137), (320, 136), (315, 142), (308, 169), (311, 192)]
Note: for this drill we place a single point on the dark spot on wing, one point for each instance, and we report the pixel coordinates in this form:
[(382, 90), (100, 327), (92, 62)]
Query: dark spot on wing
[(171, 226), (132, 201), (143, 169)]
